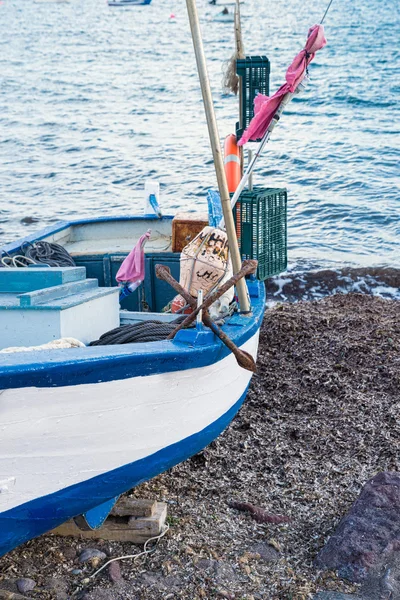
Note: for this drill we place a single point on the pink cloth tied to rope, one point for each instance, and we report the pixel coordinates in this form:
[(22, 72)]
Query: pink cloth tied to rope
[(132, 269), (266, 106)]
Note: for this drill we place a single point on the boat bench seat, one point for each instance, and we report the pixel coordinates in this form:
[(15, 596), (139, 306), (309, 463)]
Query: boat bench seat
[(38, 305)]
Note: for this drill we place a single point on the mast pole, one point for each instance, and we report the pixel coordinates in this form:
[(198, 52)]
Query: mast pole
[(239, 54), (217, 154)]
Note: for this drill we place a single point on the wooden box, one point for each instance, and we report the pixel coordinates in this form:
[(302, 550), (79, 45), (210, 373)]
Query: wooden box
[(185, 227)]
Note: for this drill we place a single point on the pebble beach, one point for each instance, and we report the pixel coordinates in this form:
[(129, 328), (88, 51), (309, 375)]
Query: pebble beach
[(95, 102), (322, 417)]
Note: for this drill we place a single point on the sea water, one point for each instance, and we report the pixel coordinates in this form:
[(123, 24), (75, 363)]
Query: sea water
[(94, 100)]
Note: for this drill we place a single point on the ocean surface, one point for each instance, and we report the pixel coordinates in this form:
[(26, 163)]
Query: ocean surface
[(94, 100)]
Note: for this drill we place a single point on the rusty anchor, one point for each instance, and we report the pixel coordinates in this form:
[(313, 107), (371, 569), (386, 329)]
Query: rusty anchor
[(244, 359)]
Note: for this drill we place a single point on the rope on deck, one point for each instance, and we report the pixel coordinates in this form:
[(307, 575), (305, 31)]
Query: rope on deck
[(147, 331)]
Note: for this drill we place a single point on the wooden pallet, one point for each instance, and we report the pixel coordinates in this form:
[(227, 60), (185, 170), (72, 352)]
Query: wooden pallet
[(130, 520)]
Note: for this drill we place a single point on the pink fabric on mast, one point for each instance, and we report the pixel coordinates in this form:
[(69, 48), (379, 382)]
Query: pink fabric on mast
[(132, 269), (266, 106)]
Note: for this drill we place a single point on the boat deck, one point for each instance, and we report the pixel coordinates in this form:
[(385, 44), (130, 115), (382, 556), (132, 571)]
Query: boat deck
[(100, 246), (158, 242)]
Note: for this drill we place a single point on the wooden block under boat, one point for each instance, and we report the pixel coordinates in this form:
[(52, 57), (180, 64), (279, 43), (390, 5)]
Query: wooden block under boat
[(185, 227), (134, 507), (121, 529)]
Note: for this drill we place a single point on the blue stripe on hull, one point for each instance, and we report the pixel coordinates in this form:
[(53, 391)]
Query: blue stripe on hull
[(43, 514), (53, 368)]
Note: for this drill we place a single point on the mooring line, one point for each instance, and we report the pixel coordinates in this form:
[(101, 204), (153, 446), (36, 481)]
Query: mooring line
[(326, 12)]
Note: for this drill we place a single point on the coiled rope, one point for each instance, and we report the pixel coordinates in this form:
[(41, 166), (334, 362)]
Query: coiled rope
[(147, 331), (50, 254), (18, 260), (38, 253)]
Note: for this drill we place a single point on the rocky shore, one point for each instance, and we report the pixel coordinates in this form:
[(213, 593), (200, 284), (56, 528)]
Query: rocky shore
[(322, 417)]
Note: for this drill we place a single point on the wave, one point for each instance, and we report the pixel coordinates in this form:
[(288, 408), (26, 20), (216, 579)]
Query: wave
[(297, 285)]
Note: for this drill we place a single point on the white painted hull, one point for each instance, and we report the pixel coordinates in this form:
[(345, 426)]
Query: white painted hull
[(52, 438)]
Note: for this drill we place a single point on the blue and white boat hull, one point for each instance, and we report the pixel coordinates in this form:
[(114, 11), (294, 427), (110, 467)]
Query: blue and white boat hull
[(128, 2), (75, 434)]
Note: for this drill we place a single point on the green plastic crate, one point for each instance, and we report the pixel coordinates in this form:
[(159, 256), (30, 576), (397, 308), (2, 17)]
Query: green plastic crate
[(254, 72), (261, 226)]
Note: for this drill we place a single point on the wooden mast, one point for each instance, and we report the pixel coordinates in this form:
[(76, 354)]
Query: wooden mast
[(217, 153), (239, 54)]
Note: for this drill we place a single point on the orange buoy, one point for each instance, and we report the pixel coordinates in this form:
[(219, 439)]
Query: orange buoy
[(232, 162), (178, 304)]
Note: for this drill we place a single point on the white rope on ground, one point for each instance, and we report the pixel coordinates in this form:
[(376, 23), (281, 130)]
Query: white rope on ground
[(145, 551)]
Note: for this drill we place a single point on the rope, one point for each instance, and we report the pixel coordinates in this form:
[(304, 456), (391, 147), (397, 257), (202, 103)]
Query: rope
[(326, 12), (52, 254), (147, 331), (16, 261), (145, 551), (134, 556)]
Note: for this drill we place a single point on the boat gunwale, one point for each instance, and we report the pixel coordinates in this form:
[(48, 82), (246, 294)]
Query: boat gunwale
[(92, 364), (16, 245)]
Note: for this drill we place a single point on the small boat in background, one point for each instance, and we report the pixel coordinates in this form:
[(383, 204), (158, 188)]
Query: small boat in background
[(224, 17), (216, 3), (52, 1), (128, 2)]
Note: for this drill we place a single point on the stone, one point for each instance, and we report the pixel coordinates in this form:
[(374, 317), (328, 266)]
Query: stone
[(220, 571), (58, 586), (9, 585), (25, 584), (95, 562), (369, 534), (69, 553), (123, 592), (335, 596), (158, 581), (383, 582), (204, 563), (114, 572), (91, 553), (226, 594), (266, 551)]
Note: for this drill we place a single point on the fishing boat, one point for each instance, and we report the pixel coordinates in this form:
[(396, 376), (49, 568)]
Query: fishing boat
[(88, 419), (52, 1), (215, 3), (223, 17), (128, 2), (80, 426)]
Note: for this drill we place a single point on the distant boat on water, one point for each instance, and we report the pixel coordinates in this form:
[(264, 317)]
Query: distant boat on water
[(52, 1), (222, 3), (127, 2), (224, 17)]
